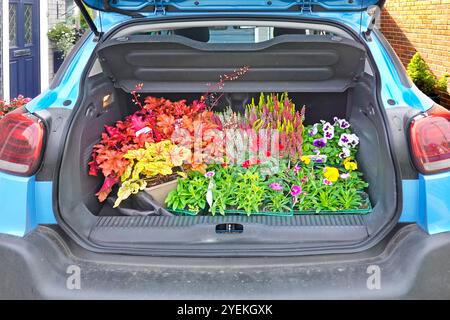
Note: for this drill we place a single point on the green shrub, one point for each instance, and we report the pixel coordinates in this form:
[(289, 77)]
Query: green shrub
[(442, 83), (421, 75)]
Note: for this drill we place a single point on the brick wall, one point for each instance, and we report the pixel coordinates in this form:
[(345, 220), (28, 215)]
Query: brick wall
[(420, 26)]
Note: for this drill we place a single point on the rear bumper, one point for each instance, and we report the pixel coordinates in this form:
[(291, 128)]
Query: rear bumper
[(44, 264)]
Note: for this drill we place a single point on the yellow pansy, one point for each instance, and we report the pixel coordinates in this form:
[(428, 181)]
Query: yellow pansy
[(306, 160), (331, 174), (350, 165), (347, 160)]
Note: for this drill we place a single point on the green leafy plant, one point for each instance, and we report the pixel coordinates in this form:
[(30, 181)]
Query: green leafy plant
[(190, 193), (250, 191), (320, 194), (224, 189), (63, 37)]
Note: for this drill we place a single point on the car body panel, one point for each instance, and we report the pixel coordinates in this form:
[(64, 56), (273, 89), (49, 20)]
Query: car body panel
[(32, 202), (411, 265), (26, 203), (230, 5), (434, 195)]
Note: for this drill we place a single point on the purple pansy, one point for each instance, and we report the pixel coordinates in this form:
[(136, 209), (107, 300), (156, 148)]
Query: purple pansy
[(328, 130), (327, 127), (343, 124), (348, 140), (329, 135), (345, 153), (320, 143)]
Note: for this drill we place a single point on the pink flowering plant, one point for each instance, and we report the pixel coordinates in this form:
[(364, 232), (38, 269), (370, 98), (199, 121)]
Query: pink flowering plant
[(15, 103)]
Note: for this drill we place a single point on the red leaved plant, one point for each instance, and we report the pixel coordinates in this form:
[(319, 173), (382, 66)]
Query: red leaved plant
[(157, 119)]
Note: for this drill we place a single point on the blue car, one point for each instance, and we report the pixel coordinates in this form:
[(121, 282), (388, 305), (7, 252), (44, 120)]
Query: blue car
[(58, 241)]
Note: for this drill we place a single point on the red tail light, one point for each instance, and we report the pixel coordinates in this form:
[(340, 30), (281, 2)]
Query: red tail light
[(21, 143), (430, 140)]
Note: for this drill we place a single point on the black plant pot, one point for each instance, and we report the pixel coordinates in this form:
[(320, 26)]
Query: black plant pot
[(436, 98), (58, 59)]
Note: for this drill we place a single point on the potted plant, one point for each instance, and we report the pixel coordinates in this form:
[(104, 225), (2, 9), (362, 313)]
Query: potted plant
[(15, 103), (63, 38), (424, 79)]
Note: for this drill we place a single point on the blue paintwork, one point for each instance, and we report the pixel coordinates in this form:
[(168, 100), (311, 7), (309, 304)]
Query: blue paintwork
[(434, 202), (25, 204), (411, 201), (233, 5), (425, 201)]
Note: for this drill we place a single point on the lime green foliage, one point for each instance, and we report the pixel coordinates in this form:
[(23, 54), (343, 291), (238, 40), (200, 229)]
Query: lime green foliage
[(250, 191), (421, 75), (190, 193), (442, 83), (155, 159), (246, 189)]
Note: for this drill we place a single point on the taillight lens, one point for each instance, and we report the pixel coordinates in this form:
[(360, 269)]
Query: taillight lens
[(21, 142), (430, 140)]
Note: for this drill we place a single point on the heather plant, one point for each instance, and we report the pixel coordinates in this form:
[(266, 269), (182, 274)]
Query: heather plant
[(278, 112)]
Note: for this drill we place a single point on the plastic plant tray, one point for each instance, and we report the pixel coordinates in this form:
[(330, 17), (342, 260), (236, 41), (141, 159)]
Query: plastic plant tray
[(363, 211), (282, 214), (339, 212), (235, 213)]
